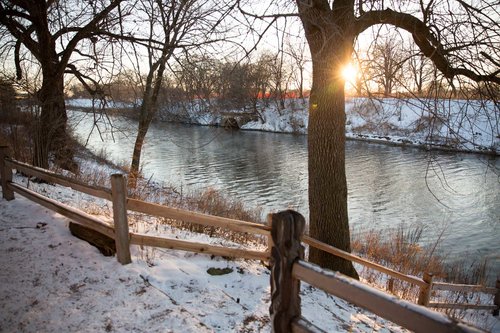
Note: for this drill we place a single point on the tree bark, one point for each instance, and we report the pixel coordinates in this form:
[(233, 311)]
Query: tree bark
[(50, 132), (51, 129), (328, 219), (331, 46), (136, 155)]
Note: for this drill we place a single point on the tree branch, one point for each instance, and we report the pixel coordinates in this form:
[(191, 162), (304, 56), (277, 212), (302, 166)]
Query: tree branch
[(425, 40), (85, 32)]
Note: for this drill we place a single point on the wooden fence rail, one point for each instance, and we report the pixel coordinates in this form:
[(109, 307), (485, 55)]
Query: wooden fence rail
[(296, 269), (289, 269)]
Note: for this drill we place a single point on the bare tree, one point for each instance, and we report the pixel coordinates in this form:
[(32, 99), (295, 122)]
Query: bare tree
[(299, 58), (184, 25), (419, 70), (52, 32), (331, 28), (385, 64)]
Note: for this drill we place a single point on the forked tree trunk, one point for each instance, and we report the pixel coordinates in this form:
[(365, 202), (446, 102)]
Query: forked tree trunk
[(149, 108)]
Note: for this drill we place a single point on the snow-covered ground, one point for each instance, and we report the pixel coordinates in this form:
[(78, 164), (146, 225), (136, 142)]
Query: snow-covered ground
[(53, 282)]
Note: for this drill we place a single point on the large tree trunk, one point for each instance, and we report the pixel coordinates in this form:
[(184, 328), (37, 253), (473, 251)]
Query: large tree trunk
[(331, 43), (329, 221), (51, 129)]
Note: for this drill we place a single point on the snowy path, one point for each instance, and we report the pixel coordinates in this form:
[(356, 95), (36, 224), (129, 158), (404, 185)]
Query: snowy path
[(53, 282)]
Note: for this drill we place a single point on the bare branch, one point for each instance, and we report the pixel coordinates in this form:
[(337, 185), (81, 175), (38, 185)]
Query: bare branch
[(428, 43)]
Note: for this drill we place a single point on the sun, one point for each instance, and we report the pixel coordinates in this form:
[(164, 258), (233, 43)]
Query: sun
[(349, 73)]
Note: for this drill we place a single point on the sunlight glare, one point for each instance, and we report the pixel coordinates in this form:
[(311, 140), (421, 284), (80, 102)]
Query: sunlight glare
[(349, 73)]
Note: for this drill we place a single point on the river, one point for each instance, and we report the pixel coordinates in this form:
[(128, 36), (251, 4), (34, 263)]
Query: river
[(450, 194)]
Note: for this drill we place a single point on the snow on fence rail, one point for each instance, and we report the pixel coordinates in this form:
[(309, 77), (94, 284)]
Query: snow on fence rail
[(289, 268), (404, 313)]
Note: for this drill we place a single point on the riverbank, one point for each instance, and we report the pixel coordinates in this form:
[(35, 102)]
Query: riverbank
[(450, 125)]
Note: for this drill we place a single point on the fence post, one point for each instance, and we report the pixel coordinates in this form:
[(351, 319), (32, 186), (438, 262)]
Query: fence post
[(5, 174), (119, 198), (390, 285), (425, 292), (497, 297), (270, 244), (287, 229)]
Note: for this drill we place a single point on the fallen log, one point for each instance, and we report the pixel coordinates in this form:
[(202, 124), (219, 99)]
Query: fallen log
[(105, 244)]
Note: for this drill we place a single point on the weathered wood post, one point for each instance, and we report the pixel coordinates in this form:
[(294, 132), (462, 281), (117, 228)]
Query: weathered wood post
[(119, 198), (390, 285), (425, 292), (287, 229), (497, 297), (5, 174), (270, 244)]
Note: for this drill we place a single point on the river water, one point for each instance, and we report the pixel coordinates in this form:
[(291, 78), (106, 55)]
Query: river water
[(450, 194)]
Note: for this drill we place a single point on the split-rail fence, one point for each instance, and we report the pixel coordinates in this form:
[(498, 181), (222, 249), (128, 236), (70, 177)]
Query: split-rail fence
[(285, 253)]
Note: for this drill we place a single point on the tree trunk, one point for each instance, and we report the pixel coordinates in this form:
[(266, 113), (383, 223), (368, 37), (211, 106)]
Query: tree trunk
[(136, 155), (51, 128), (328, 218)]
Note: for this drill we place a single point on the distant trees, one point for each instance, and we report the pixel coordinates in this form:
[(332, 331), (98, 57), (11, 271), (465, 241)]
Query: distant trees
[(385, 64), (172, 27)]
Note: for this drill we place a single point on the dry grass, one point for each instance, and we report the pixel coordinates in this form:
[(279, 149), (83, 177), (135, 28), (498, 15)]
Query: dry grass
[(213, 202), (16, 131), (207, 201), (399, 249)]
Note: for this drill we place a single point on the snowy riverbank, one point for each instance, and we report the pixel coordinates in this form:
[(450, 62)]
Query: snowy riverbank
[(52, 281), (457, 125)]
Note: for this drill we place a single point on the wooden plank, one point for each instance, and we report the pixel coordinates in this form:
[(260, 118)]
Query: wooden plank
[(65, 210), (406, 314), (193, 217), (462, 306), (106, 245), (119, 196), (463, 287), (100, 192), (348, 256), (177, 244), (302, 325)]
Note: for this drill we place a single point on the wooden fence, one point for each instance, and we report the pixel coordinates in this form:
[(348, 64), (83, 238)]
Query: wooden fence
[(414, 317)]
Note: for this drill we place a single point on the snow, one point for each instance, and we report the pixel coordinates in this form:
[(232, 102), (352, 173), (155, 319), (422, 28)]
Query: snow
[(51, 281), (86, 103), (462, 125)]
